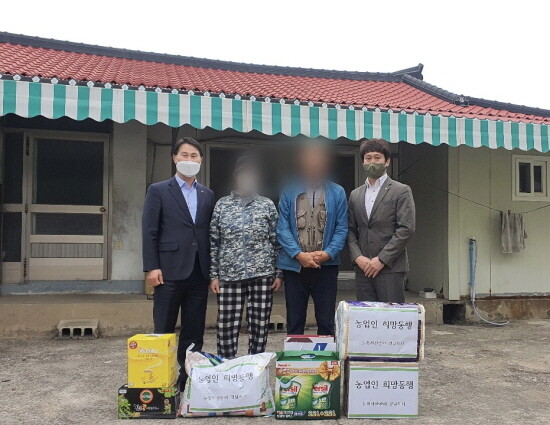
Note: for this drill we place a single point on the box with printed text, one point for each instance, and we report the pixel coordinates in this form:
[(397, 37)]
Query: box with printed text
[(380, 331), (147, 403), (307, 385), (152, 361), (381, 390)]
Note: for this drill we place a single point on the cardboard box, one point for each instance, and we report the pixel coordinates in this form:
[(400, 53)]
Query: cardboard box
[(307, 385), (152, 361), (380, 331), (147, 403), (309, 343), (381, 390)]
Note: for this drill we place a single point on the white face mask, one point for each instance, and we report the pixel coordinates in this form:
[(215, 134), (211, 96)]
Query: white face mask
[(188, 168)]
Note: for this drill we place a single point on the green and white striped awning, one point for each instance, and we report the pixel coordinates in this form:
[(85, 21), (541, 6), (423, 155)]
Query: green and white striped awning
[(28, 99)]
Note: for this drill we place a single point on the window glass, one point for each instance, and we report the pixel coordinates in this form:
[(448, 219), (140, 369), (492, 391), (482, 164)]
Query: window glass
[(11, 237), (538, 185), (67, 224), (69, 172), (524, 175)]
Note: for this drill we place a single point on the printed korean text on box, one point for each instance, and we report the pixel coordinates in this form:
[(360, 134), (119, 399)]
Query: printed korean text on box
[(152, 361), (381, 390), (380, 331)]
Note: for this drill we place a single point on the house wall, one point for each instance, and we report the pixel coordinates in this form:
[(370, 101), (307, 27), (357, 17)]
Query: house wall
[(422, 167), (485, 176), (135, 165), (159, 145), (129, 159), (438, 252), (127, 185)]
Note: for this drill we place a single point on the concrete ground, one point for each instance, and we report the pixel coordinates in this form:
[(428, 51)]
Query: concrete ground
[(472, 374)]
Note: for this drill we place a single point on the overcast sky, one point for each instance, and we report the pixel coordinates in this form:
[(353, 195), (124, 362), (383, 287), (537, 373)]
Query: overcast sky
[(491, 49)]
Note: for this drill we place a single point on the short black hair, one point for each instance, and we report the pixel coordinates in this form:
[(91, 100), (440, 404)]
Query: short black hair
[(188, 141), (375, 145)]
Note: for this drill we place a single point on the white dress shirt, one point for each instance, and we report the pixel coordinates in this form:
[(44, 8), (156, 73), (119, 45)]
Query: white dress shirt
[(190, 195), (372, 192)]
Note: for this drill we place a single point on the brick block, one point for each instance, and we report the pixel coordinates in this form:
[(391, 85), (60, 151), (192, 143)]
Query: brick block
[(78, 328)]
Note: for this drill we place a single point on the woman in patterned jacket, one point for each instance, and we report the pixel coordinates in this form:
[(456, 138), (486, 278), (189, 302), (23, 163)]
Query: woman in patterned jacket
[(244, 251)]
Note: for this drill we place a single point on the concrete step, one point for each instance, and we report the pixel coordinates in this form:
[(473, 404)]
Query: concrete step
[(125, 314)]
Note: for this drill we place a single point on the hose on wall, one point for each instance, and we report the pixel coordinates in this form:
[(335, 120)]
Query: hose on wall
[(473, 267)]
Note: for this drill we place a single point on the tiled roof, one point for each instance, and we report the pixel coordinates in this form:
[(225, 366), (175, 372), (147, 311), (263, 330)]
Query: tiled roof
[(400, 90)]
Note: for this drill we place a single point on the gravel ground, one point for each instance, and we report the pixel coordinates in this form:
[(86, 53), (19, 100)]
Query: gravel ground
[(471, 375)]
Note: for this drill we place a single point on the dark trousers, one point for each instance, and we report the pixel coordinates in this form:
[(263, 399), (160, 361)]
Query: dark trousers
[(190, 296), (386, 287), (322, 285)]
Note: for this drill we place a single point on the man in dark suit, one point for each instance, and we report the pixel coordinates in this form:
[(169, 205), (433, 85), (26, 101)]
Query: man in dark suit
[(381, 222), (176, 248)]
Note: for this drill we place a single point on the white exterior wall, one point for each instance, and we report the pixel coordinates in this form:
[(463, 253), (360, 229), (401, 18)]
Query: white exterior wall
[(438, 252), (129, 159), (131, 172), (159, 146), (485, 176), (428, 249)]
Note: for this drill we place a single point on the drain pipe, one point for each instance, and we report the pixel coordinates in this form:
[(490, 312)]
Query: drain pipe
[(473, 266)]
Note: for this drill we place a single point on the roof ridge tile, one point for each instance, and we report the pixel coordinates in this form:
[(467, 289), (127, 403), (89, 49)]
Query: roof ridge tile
[(90, 49), (461, 100), (402, 90)]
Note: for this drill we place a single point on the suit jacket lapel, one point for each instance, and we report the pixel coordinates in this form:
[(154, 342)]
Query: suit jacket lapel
[(381, 194), (175, 190), (362, 200)]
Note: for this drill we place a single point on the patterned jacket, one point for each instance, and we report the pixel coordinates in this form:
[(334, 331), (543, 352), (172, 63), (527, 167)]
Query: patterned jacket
[(243, 239)]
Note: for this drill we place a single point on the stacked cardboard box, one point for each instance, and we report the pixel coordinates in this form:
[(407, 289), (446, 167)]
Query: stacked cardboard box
[(309, 343), (151, 391), (381, 344), (308, 375), (307, 385)]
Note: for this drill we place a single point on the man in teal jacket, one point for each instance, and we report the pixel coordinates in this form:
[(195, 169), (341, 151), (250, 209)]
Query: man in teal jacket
[(312, 230)]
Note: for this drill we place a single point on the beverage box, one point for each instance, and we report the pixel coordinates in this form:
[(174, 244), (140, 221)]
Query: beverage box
[(309, 343), (307, 385), (147, 403), (152, 361), (381, 390), (380, 331)]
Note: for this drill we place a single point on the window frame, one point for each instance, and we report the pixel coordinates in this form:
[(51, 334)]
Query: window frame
[(533, 161), (14, 272)]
